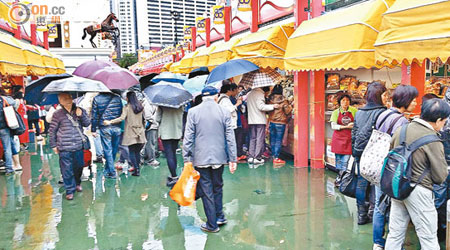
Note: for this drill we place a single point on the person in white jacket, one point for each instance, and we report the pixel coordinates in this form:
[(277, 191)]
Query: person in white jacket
[(257, 108), (228, 90)]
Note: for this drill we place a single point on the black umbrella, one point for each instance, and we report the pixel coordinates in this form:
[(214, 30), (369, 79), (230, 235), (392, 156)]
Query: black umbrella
[(199, 72), (146, 80), (34, 94)]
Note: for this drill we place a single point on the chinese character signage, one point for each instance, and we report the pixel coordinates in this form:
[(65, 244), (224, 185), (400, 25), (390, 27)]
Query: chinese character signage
[(41, 23), (200, 23), (219, 13), (245, 5)]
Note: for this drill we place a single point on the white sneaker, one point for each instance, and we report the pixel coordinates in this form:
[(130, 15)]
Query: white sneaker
[(256, 161), (154, 163), (18, 168), (250, 160), (377, 247)]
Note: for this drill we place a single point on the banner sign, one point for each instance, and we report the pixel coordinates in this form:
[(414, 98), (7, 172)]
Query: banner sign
[(200, 23), (245, 5), (187, 32), (219, 14), (52, 31)]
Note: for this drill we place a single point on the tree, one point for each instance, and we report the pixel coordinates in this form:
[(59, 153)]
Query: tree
[(127, 60)]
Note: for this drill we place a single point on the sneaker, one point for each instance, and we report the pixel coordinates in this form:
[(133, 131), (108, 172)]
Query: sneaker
[(69, 197), (278, 161), (221, 222), (110, 176), (119, 166), (171, 181), (258, 161), (39, 138), (178, 151), (154, 163), (205, 229), (78, 188), (99, 159), (250, 160), (377, 247), (242, 158), (18, 168)]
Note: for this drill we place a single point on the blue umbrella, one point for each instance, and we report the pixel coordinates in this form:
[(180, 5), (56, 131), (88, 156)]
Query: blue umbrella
[(169, 77), (195, 85), (34, 94), (231, 69), (168, 94)]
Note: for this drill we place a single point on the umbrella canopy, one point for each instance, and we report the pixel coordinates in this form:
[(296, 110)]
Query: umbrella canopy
[(195, 85), (88, 68), (76, 84), (168, 94), (261, 78), (199, 72), (115, 78), (231, 69), (33, 91), (147, 80), (169, 77)]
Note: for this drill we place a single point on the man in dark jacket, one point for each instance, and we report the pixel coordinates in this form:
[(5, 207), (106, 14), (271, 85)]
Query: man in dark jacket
[(66, 139), (107, 106)]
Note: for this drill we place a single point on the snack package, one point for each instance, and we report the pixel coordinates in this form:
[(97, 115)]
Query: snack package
[(362, 89), (333, 81), (332, 102)]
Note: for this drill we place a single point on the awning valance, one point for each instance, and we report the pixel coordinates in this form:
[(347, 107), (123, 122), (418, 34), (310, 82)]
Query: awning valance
[(202, 57), (49, 60), (34, 61), (222, 53), (12, 58), (175, 67), (341, 39), (186, 62), (414, 30), (265, 48)]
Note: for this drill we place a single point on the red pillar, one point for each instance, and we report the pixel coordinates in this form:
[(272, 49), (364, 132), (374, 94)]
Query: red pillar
[(227, 21), (208, 31), (301, 117), (316, 8), (301, 95), (182, 53), (194, 38), (418, 81), (255, 16), (33, 34), (46, 46), (17, 33), (317, 118)]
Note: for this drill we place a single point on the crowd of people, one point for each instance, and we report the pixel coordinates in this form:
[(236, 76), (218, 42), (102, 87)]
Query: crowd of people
[(387, 112)]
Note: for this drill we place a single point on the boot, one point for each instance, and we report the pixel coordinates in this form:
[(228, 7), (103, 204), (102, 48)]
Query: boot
[(362, 215), (137, 172)]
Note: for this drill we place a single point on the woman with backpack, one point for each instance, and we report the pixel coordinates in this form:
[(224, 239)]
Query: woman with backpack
[(134, 131), (364, 123), (428, 166), (403, 100), (342, 124)]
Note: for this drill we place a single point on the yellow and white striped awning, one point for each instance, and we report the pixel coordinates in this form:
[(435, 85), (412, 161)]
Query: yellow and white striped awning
[(186, 62), (222, 53), (413, 30), (12, 58)]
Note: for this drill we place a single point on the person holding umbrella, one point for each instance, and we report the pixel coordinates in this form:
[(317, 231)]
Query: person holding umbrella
[(66, 140)]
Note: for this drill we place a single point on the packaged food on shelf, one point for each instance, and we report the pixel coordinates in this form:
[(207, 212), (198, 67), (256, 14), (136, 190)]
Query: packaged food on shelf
[(332, 102), (346, 81), (332, 81)]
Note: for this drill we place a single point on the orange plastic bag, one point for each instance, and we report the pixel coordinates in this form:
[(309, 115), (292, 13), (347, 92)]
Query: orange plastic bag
[(183, 192)]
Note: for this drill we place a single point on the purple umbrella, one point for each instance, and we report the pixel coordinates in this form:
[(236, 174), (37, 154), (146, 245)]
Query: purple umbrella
[(88, 68), (115, 78)]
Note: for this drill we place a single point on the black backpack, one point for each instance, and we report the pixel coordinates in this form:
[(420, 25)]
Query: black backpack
[(396, 173)]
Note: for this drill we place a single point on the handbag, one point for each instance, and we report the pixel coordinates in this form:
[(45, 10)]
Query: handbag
[(349, 181), (20, 128), (10, 115), (376, 150), (84, 138), (184, 190)]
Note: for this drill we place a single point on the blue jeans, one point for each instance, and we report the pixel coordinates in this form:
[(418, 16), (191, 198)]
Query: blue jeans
[(6, 138), (98, 146), (110, 142), (362, 187), (170, 151), (379, 220), (342, 162), (210, 190), (276, 138), (71, 165)]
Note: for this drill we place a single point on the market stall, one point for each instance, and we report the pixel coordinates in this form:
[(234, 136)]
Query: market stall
[(202, 57), (222, 53), (186, 62), (337, 51)]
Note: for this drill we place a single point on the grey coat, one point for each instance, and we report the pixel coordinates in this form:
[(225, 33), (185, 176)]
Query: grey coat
[(209, 135), (63, 134)]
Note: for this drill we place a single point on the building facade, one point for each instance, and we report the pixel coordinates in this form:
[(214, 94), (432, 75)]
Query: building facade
[(125, 11)]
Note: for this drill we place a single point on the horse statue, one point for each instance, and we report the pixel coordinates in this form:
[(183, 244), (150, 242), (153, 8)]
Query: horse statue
[(106, 27)]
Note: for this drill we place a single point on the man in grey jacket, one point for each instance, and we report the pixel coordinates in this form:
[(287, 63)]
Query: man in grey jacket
[(209, 144), (151, 134)]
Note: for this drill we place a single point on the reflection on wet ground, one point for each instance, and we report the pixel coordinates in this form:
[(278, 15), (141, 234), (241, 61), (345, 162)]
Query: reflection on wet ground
[(266, 207)]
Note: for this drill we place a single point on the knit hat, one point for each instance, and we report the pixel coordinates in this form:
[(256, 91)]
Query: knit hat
[(277, 90), (209, 91)]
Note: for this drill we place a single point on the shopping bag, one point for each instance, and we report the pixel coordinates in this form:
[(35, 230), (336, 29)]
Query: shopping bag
[(87, 157), (349, 181), (183, 192), (10, 117)]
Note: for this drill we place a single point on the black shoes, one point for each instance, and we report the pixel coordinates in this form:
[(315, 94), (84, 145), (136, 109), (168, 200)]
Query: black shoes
[(205, 229), (171, 181)]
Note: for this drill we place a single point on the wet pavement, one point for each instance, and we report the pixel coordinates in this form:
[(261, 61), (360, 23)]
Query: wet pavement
[(266, 208)]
